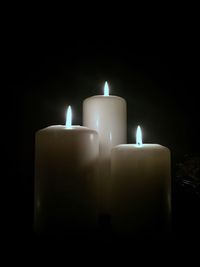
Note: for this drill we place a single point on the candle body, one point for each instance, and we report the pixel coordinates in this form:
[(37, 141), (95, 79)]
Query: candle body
[(106, 115), (141, 190), (65, 171)]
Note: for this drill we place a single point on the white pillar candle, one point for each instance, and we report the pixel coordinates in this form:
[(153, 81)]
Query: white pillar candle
[(65, 169), (140, 188), (107, 115)]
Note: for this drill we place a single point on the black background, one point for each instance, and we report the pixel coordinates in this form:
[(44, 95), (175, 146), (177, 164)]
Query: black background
[(156, 74)]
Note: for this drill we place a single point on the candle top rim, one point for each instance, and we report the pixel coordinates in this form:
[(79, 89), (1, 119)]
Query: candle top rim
[(136, 147), (64, 128), (106, 97)]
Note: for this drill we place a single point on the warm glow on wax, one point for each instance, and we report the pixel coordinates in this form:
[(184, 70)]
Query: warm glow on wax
[(106, 89), (69, 118), (139, 136)]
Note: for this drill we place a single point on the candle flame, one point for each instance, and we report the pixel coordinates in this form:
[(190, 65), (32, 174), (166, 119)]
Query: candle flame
[(69, 118), (139, 136), (106, 89)]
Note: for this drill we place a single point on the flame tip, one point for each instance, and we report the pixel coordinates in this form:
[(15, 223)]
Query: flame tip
[(139, 136), (106, 89), (69, 117)]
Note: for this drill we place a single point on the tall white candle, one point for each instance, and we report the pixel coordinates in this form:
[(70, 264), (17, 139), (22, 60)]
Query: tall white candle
[(65, 170), (140, 188), (107, 115)]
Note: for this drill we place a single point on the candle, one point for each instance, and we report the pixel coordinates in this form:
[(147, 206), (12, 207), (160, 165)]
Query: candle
[(140, 188), (107, 115), (65, 168)]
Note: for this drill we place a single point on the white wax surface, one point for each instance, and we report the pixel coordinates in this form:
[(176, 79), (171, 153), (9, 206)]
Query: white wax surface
[(140, 188), (65, 173), (106, 115)]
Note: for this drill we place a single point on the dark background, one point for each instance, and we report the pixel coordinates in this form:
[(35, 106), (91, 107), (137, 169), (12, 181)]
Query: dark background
[(159, 83)]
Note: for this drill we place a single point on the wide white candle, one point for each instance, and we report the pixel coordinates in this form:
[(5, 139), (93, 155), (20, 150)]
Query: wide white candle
[(107, 115), (140, 188), (65, 170)]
